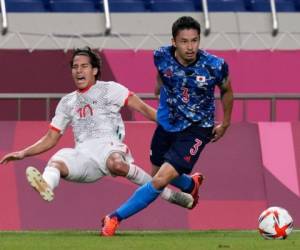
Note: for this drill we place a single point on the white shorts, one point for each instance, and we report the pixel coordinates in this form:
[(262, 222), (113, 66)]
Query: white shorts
[(87, 161)]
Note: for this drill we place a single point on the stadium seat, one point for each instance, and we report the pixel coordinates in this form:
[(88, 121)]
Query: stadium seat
[(198, 5), (73, 6), (226, 5), (172, 5), (149, 5), (264, 5), (26, 6), (127, 5), (285, 6), (297, 5)]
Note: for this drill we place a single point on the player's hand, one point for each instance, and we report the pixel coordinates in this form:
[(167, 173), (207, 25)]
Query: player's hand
[(19, 155), (218, 131)]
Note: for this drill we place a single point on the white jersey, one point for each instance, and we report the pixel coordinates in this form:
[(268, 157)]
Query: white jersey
[(93, 114)]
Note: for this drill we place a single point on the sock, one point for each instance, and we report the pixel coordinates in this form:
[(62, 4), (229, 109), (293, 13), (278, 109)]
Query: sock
[(179, 198), (184, 182), (140, 199), (137, 175), (52, 176)]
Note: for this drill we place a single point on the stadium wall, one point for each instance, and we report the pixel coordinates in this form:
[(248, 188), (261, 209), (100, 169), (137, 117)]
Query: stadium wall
[(48, 71), (254, 166)]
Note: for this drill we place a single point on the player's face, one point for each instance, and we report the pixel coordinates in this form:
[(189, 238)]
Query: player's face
[(187, 44), (82, 72)]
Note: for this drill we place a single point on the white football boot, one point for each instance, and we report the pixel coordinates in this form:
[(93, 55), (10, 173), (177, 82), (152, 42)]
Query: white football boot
[(182, 199), (37, 181)]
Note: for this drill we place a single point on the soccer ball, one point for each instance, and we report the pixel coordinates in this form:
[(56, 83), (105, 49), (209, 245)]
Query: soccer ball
[(275, 223)]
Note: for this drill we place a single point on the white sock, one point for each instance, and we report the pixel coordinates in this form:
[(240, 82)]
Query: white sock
[(179, 198), (138, 176), (52, 176)]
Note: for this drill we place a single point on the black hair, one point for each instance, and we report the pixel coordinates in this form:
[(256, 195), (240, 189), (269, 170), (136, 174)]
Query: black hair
[(95, 59), (185, 22)]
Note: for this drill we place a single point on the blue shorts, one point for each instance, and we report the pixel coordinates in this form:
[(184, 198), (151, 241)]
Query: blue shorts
[(180, 149)]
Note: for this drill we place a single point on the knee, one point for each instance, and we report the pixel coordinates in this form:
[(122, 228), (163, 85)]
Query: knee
[(116, 165), (60, 165), (154, 170), (164, 176), (159, 182)]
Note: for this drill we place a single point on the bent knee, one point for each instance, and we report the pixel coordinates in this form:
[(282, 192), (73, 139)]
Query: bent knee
[(117, 165), (159, 182)]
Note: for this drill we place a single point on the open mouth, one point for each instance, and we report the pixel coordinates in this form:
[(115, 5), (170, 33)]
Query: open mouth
[(80, 78), (190, 54)]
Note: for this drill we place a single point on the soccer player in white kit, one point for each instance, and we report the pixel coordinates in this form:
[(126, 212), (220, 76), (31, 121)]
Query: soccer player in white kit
[(93, 111)]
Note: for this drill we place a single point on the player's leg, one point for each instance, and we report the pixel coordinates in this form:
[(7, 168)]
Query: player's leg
[(56, 168), (45, 183), (162, 142), (183, 182), (183, 199), (70, 164), (154, 169), (120, 165), (140, 199), (189, 185), (183, 154), (36, 181), (160, 145)]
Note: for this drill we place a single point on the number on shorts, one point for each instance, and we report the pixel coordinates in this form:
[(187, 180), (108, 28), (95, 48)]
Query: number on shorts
[(195, 148)]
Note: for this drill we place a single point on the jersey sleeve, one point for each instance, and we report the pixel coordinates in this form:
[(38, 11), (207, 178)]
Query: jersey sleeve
[(118, 94), (222, 72), (62, 118), (157, 55)]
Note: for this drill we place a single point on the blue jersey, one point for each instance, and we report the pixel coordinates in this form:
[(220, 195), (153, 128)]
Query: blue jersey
[(187, 93)]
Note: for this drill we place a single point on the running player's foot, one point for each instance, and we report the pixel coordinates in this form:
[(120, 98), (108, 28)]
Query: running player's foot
[(182, 199), (36, 181), (109, 226), (198, 179)]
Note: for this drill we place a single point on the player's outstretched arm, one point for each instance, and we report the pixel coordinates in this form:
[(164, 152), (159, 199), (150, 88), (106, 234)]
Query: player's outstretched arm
[(47, 142), (227, 104), (139, 105), (19, 155)]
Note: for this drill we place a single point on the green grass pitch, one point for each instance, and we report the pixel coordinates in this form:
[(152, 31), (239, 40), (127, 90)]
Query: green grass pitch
[(140, 240)]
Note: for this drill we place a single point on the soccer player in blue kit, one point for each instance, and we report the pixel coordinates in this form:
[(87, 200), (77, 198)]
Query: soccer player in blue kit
[(187, 77)]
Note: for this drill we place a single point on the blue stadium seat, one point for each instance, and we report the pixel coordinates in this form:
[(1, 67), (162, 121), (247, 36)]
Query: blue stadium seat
[(172, 5), (26, 6), (264, 5), (198, 5), (226, 5), (285, 5), (149, 5), (297, 5), (127, 5), (73, 6)]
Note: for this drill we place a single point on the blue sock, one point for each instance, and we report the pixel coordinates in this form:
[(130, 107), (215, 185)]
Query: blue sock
[(184, 182), (140, 199)]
